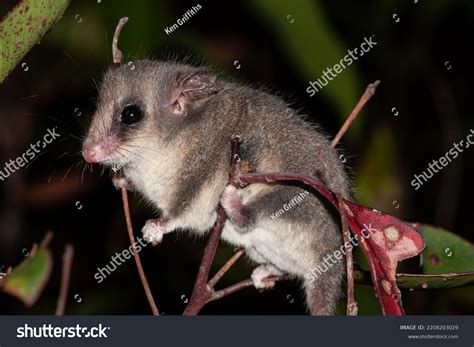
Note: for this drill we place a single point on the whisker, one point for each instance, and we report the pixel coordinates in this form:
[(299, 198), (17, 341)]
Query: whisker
[(67, 173), (30, 96)]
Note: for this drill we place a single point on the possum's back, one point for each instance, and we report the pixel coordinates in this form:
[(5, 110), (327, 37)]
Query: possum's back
[(276, 138)]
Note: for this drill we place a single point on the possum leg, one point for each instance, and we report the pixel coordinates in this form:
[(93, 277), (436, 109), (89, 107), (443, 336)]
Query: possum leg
[(260, 276)]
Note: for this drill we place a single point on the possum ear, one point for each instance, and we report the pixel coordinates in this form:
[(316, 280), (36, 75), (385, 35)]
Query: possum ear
[(191, 87)]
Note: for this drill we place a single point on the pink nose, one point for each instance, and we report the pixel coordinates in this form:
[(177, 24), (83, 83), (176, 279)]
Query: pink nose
[(93, 153)]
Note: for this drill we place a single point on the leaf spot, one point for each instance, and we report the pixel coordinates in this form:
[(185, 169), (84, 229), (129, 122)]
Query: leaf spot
[(387, 287), (391, 233)]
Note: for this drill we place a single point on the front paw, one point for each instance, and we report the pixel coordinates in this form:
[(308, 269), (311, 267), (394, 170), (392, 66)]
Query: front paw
[(119, 181), (231, 201), (153, 231)]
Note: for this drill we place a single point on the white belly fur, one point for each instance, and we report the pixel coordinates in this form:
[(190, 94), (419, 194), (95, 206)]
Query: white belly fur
[(263, 246)]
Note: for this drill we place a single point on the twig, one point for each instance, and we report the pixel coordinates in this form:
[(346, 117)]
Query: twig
[(116, 53), (117, 58), (351, 303), (369, 92), (146, 287), (231, 289), (33, 250), (241, 285), (201, 291), (272, 177), (65, 278), (47, 239), (225, 268)]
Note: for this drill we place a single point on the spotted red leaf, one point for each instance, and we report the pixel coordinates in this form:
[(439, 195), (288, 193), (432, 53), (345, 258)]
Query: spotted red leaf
[(386, 240)]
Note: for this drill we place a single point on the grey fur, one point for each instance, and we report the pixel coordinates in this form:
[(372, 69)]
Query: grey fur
[(183, 163)]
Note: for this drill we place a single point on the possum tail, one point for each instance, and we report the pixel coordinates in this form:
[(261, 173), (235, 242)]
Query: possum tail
[(324, 290)]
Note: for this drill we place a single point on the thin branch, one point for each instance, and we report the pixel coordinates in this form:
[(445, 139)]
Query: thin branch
[(201, 290), (33, 250), (272, 177), (201, 293), (65, 279), (116, 53), (219, 294), (219, 274), (146, 287), (351, 303), (47, 239), (369, 92), (231, 289), (117, 58)]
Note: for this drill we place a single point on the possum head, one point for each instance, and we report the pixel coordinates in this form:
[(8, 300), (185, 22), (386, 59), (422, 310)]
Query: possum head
[(141, 109)]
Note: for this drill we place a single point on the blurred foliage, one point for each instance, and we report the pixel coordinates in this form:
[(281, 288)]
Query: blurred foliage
[(445, 252), (313, 45), (23, 27), (376, 178), (27, 281)]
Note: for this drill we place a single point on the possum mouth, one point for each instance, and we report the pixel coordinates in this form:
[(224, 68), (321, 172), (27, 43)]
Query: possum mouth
[(105, 151)]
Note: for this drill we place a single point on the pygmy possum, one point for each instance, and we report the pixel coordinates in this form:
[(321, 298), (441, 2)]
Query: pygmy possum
[(171, 123)]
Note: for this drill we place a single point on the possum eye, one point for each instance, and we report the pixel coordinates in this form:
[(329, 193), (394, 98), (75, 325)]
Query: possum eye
[(131, 114)]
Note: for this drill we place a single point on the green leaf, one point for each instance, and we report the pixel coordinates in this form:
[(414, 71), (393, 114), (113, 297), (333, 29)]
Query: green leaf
[(445, 252), (422, 281), (313, 45), (27, 280), (441, 281), (23, 27)]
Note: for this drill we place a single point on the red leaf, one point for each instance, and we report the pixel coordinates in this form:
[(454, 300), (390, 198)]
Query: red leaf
[(386, 240)]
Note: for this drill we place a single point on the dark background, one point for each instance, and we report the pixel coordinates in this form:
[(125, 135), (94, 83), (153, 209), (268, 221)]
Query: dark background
[(424, 63)]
